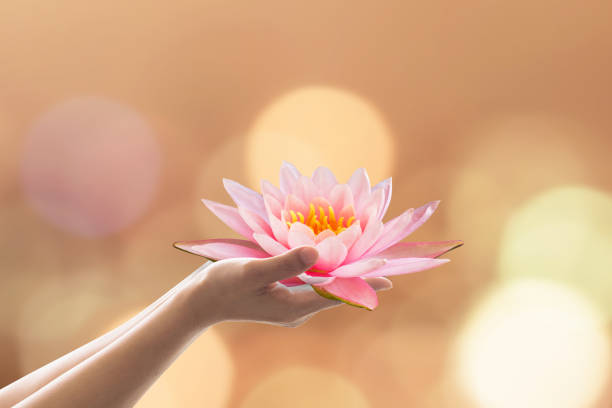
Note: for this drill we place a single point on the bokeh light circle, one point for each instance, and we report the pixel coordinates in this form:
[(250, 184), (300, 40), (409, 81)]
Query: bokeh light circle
[(318, 125), (395, 363), (564, 234), (533, 344), (90, 166), (511, 158), (200, 377), (148, 263), (59, 313), (305, 387)]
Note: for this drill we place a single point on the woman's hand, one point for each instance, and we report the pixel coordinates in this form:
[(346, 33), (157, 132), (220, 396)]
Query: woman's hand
[(247, 289), (117, 368)]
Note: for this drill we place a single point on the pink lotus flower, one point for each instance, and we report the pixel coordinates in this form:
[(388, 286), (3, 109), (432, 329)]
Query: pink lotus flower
[(342, 221)]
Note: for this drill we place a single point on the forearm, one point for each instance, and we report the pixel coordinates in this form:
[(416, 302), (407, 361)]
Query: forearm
[(238, 289), (120, 373), (27, 385)]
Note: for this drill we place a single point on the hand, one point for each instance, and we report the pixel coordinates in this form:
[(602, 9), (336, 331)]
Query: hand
[(247, 289), (117, 368)]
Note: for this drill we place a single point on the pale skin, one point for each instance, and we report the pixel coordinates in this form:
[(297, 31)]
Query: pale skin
[(117, 368)]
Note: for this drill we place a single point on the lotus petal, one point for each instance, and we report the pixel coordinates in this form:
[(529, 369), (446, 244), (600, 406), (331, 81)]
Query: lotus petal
[(331, 254), (270, 189), (254, 221), (346, 213), (418, 249), (405, 265), (225, 248), (370, 235), (341, 196), (354, 291), (270, 245), (273, 206), (323, 235), (360, 185), (279, 228), (295, 203), (245, 197), (368, 214), (230, 216), (384, 185), (419, 217), (350, 235), (300, 234), (291, 167), (320, 202), (305, 189), (391, 234), (375, 199), (402, 230), (358, 268), (324, 179), (288, 177)]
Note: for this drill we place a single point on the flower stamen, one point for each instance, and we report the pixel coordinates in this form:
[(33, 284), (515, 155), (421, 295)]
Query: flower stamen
[(324, 220), (311, 214), (350, 221), (332, 217)]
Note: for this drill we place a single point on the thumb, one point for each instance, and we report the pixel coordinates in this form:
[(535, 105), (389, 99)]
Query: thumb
[(284, 266)]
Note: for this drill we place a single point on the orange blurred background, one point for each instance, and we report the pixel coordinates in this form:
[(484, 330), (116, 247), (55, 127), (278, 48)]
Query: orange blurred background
[(116, 118)]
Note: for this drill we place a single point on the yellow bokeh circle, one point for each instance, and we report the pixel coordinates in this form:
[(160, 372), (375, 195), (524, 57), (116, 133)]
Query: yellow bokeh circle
[(564, 234), (508, 159), (533, 343), (305, 387), (319, 125)]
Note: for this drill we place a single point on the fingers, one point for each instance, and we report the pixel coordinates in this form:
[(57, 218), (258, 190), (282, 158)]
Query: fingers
[(298, 322), (310, 302), (287, 265), (379, 283)]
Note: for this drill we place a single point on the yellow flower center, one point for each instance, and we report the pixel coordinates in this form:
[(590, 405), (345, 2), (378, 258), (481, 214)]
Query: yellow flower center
[(322, 221)]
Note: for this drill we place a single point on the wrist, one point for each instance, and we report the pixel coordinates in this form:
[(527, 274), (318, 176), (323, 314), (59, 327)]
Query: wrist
[(199, 305)]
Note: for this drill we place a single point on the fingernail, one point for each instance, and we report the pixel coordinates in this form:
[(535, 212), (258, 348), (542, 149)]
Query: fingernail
[(390, 284), (308, 255)]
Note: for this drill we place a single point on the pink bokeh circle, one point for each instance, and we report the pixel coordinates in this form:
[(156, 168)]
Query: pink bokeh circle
[(90, 166)]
